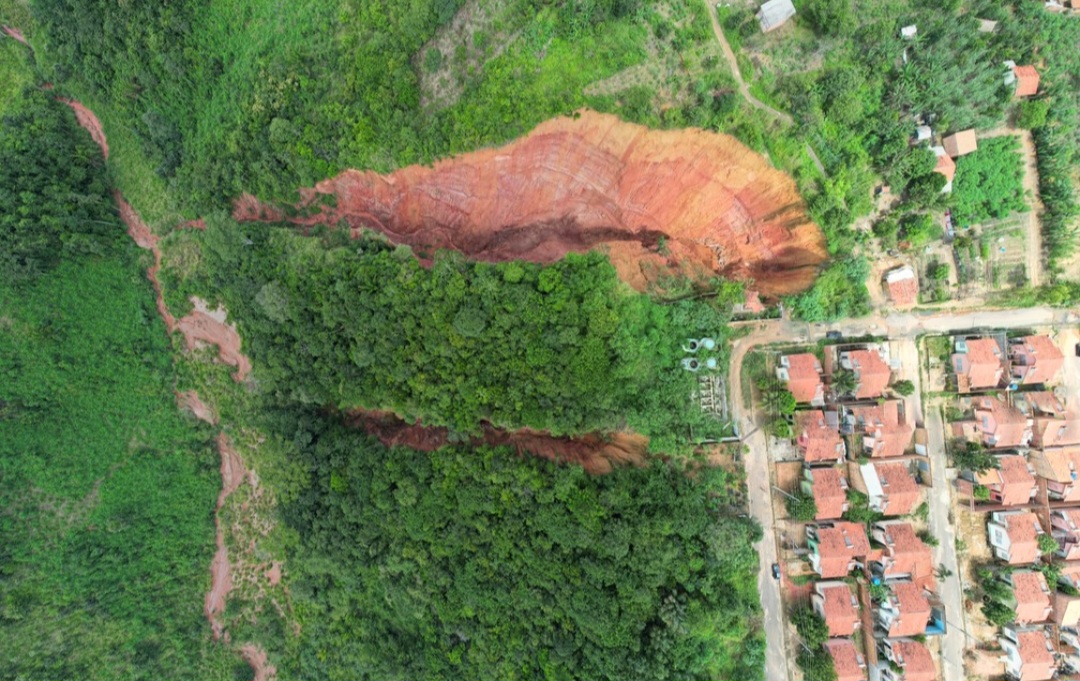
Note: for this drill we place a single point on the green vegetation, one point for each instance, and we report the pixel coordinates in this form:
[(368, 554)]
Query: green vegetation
[(838, 292), (565, 348), (859, 510), (813, 659), (996, 596), (478, 564), (904, 387), (106, 491), (801, 506), (989, 182), (972, 456), (1047, 544)]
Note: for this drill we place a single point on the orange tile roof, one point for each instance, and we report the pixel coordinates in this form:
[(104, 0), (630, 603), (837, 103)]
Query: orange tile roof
[(804, 377), (841, 615), (1013, 481), (906, 554), (890, 433), (903, 289), (817, 441), (1043, 359), (913, 607), (838, 545), (917, 663), (1024, 537), (1048, 432), (1038, 660), (1032, 596), (896, 481), (1027, 80), (1063, 464), (849, 664), (946, 166), (830, 492), (1005, 424), (981, 364), (1041, 401), (871, 372)]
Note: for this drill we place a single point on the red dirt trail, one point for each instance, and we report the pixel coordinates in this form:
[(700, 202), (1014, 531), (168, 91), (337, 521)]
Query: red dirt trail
[(232, 475), (15, 33), (202, 325), (597, 454), (575, 183), (256, 657), (190, 401)]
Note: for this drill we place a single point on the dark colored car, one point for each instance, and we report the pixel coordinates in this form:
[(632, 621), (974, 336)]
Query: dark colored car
[(834, 335), (1078, 349), (776, 570)]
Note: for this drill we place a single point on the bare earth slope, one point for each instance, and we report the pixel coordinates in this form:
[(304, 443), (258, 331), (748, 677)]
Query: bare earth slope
[(587, 181)]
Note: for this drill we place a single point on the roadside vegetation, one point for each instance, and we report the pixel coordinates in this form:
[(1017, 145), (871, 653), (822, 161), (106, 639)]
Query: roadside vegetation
[(989, 182), (106, 490)]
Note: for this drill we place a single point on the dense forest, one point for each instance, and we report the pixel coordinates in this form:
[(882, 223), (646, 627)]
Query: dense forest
[(106, 491), (564, 347), (480, 564)]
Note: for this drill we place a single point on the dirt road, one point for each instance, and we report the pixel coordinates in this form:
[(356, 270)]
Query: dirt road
[(1033, 229), (729, 55)]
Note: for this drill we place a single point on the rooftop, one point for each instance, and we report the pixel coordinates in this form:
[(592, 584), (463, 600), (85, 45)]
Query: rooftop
[(804, 377), (830, 492), (903, 288), (888, 433), (871, 372), (1035, 359), (815, 438), (914, 609), (838, 608), (897, 482), (915, 659), (1027, 80), (960, 143), (1013, 481), (1032, 596), (1035, 651), (847, 660), (981, 366)]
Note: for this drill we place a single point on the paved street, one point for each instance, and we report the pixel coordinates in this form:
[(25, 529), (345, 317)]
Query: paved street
[(903, 328)]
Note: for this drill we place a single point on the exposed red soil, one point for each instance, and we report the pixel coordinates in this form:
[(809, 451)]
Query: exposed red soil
[(90, 122), (273, 575), (597, 454), (588, 181), (15, 33), (204, 326), (232, 475), (190, 401), (256, 657), (199, 224)]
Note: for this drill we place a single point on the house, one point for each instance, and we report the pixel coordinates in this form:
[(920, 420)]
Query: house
[(847, 660), (1014, 536), (817, 440), (802, 376), (835, 548), (1065, 528), (946, 166), (960, 143), (912, 658), (1031, 596), (1026, 79), (774, 14), (1069, 637), (904, 612), (978, 363), (1069, 575), (872, 372), (1029, 655), (837, 604), (904, 556), (903, 289), (884, 429), (995, 424), (829, 488), (1035, 359), (1053, 426), (1060, 468), (1012, 484), (1066, 610), (891, 488)]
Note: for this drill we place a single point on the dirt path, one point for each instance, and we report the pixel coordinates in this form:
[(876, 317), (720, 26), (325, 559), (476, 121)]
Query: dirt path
[(1033, 239), (729, 55), (14, 33)]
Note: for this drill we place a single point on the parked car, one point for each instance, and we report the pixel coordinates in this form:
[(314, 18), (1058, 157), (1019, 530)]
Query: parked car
[(1078, 349), (834, 335), (776, 570)]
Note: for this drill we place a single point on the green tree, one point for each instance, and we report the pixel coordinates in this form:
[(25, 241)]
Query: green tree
[(844, 381), (904, 387), (801, 506), (1047, 544), (973, 456), (1032, 113)]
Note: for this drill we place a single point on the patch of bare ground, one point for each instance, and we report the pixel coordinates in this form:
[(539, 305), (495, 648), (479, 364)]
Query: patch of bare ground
[(190, 401), (15, 33), (456, 55), (256, 657), (205, 326)]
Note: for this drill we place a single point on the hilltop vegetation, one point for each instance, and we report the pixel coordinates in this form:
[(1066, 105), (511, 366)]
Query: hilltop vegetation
[(106, 491)]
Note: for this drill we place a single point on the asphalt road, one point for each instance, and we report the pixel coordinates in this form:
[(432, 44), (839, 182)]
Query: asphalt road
[(897, 326)]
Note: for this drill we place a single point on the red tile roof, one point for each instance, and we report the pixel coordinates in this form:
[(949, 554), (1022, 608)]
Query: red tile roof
[(849, 664), (871, 371), (1048, 432), (913, 607), (838, 545), (960, 143), (1002, 425), (804, 377), (1061, 466), (897, 482), (917, 663), (981, 366), (817, 441), (1036, 359), (1027, 80), (830, 492), (1038, 660), (1024, 537), (946, 166), (903, 289), (1013, 481), (838, 607), (906, 554), (1041, 402), (882, 426), (1032, 597)]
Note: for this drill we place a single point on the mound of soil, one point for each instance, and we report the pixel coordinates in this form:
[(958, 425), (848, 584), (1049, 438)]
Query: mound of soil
[(191, 401), (597, 454), (203, 325), (659, 201)]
